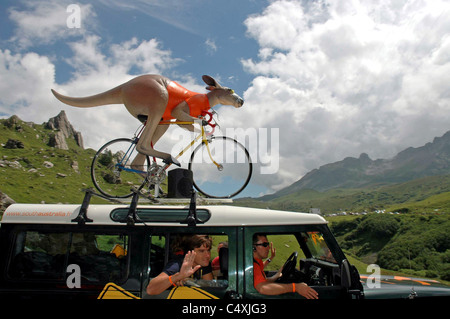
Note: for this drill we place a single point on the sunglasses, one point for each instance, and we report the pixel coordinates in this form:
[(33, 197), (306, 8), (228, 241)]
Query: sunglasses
[(266, 244)]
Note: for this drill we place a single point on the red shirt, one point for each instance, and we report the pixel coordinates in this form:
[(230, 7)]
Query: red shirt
[(258, 272), (197, 102)]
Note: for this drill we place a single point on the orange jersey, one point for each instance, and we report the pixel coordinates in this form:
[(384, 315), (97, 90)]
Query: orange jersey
[(259, 275), (198, 103)]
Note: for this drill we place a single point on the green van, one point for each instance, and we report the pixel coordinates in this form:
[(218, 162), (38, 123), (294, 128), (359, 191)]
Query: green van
[(113, 251)]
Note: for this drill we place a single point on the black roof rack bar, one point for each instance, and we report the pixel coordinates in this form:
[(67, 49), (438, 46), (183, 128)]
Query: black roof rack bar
[(132, 218), (82, 218), (192, 217)]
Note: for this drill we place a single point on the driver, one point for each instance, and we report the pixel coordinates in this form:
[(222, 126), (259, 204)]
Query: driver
[(269, 286)]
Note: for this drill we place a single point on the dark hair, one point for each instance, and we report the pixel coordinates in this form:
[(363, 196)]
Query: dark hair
[(185, 243), (224, 244), (255, 237)]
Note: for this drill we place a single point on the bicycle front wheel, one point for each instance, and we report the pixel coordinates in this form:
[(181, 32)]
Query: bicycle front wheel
[(112, 172), (230, 173)]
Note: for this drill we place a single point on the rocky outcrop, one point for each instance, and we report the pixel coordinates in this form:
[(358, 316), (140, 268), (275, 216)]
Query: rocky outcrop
[(64, 130), (58, 140), (12, 144), (5, 201)]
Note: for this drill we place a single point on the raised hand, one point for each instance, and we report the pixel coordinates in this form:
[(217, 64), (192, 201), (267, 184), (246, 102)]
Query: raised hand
[(186, 267)]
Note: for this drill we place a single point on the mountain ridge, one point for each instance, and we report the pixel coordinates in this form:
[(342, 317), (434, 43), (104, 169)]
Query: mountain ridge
[(431, 159)]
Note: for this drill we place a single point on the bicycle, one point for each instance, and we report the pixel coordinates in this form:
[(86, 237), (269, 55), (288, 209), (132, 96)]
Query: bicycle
[(220, 165)]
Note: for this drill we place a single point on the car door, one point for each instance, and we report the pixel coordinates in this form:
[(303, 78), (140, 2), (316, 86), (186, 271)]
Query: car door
[(319, 261)]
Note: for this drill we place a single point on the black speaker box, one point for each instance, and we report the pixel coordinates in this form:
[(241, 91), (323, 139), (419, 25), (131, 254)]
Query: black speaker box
[(180, 183)]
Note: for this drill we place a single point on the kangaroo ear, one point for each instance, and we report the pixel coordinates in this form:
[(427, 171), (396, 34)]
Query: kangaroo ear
[(210, 88), (210, 81)]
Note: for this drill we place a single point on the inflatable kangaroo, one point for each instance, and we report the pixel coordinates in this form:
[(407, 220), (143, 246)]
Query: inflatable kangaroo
[(156, 98)]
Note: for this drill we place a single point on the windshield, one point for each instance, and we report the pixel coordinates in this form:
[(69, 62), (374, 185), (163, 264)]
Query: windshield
[(317, 246)]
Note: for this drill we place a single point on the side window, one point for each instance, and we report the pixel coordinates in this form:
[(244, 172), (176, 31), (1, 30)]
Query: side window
[(219, 257), (39, 255), (157, 254), (46, 255), (317, 246), (284, 245), (101, 257), (167, 253)]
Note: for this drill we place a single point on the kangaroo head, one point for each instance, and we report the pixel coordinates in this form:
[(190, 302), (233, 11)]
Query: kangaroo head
[(224, 95)]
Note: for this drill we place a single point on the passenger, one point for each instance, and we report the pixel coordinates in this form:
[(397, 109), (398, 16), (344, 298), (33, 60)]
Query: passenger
[(216, 263), (193, 254), (269, 286)]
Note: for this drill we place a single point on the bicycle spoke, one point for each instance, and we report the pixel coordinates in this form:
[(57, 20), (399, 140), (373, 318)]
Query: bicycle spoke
[(112, 171), (225, 173)]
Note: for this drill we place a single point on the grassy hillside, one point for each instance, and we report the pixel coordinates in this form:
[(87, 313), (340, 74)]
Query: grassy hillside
[(413, 244), (421, 195), (39, 173)]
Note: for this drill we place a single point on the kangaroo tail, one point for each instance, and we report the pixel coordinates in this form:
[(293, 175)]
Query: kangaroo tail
[(113, 96)]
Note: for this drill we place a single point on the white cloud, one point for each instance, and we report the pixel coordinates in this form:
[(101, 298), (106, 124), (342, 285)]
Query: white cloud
[(30, 76), (45, 21), (98, 71), (344, 77), (211, 46), (175, 13), (132, 56), (27, 79)]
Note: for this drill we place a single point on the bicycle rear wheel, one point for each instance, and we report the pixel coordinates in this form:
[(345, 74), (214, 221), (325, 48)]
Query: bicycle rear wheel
[(231, 177), (111, 170)]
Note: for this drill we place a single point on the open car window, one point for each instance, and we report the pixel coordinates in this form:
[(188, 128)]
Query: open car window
[(165, 253), (317, 246), (308, 244)]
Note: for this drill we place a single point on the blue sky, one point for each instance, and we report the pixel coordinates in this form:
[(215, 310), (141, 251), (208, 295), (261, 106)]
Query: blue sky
[(203, 36), (335, 78)]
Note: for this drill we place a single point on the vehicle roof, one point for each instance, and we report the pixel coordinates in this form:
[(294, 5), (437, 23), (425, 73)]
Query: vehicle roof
[(218, 215)]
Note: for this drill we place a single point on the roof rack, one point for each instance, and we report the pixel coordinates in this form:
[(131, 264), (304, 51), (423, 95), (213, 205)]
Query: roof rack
[(132, 217), (82, 218)]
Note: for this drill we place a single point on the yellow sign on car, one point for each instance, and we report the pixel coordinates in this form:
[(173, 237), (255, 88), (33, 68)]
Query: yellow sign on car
[(113, 291)]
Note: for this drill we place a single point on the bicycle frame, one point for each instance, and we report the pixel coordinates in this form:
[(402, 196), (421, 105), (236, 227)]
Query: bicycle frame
[(203, 136)]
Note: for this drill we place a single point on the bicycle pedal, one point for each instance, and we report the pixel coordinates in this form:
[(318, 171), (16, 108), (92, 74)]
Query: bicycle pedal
[(171, 160)]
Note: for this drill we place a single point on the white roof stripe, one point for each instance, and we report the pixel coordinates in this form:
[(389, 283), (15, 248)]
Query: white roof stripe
[(100, 214)]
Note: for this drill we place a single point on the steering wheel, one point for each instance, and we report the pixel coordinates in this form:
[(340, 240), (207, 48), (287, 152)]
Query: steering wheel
[(289, 266)]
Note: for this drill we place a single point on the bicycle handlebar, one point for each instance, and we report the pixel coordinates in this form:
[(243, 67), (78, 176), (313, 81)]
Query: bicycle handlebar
[(208, 121), (211, 117)]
